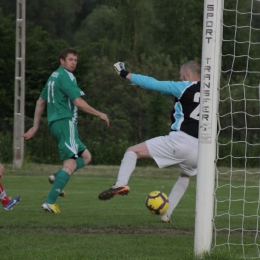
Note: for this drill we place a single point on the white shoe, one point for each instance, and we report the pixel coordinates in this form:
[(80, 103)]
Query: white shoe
[(166, 218), (51, 178), (52, 208)]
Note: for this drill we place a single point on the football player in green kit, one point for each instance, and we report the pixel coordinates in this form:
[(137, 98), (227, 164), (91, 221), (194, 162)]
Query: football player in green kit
[(63, 98)]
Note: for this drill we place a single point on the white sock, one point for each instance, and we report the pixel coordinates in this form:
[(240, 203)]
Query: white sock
[(2, 192), (126, 168), (176, 194)]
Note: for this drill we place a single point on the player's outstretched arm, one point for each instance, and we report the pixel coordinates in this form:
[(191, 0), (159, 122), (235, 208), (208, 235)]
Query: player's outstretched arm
[(85, 107), (40, 106)]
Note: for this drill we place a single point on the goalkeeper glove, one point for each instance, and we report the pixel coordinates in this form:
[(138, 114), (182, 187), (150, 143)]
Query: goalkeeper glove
[(119, 68)]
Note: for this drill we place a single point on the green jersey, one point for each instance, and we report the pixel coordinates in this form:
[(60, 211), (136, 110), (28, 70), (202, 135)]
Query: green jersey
[(60, 91)]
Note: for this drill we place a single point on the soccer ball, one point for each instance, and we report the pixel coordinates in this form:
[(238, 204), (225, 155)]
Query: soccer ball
[(157, 202)]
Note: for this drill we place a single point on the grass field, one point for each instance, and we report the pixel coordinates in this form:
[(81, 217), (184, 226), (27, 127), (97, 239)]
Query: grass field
[(88, 228)]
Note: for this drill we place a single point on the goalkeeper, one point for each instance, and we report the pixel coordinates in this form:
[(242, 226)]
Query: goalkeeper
[(180, 146)]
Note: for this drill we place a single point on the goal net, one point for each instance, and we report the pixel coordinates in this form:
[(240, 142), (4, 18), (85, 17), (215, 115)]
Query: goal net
[(237, 185)]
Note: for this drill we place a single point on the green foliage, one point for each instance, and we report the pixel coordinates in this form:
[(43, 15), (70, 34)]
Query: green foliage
[(57, 17), (6, 151), (180, 32), (97, 26), (136, 29), (7, 65)]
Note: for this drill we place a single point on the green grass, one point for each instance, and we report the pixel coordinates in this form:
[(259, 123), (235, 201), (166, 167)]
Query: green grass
[(88, 228)]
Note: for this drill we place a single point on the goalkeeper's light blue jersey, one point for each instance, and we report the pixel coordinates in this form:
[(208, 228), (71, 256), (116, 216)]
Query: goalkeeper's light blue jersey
[(185, 113)]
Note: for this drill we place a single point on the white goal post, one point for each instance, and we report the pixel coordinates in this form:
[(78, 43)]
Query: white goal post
[(227, 216), (210, 76)]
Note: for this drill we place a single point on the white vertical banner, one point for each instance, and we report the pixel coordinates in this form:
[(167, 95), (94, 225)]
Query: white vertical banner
[(210, 78)]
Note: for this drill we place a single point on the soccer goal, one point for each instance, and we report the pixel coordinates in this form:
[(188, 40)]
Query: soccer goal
[(228, 183)]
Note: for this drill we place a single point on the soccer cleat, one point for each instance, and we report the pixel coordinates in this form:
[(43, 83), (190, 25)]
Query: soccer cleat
[(166, 218), (51, 208), (12, 203), (114, 190), (51, 180)]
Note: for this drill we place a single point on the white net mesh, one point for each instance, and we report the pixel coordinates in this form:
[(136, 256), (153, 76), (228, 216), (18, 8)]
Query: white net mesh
[(237, 194)]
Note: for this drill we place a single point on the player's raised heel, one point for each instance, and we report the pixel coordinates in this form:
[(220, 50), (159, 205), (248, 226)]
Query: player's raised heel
[(51, 208), (114, 190), (12, 203)]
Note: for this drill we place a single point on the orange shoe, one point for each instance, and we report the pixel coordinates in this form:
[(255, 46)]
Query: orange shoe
[(114, 190)]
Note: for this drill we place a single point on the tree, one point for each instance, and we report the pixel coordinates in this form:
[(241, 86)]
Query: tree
[(180, 34), (58, 17), (7, 64), (97, 26)]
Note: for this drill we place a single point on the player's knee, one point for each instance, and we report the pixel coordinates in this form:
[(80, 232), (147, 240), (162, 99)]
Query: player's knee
[(86, 156), (88, 159), (140, 151), (69, 168), (129, 149)]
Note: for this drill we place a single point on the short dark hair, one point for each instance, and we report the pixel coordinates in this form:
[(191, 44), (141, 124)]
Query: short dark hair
[(64, 53)]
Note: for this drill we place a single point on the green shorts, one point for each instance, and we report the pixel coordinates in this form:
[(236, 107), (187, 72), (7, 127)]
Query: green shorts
[(65, 132)]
